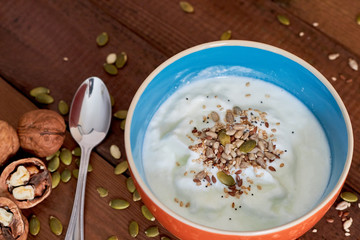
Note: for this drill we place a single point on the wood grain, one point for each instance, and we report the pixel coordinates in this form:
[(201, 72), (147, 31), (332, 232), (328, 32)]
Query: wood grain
[(101, 221), (34, 43)]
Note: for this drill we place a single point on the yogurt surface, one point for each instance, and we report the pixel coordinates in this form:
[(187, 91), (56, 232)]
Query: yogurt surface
[(270, 197)]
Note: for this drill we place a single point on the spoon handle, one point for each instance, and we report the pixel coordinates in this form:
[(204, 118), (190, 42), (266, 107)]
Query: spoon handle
[(75, 229)]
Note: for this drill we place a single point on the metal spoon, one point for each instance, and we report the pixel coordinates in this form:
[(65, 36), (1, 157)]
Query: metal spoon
[(89, 121)]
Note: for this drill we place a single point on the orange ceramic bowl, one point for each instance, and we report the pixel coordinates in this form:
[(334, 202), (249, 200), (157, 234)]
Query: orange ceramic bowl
[(276, 66)]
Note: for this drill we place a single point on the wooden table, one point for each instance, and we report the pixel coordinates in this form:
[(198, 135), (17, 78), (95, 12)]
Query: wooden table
[(52, 44)]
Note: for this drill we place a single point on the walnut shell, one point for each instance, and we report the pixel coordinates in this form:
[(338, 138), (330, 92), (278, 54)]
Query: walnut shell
[(9, 141), (41, 132), (40, 179), (19, 226)]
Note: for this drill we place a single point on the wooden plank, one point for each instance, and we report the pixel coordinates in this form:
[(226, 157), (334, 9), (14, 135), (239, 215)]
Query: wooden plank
[(34, 43), (336, 19), (101, 221)]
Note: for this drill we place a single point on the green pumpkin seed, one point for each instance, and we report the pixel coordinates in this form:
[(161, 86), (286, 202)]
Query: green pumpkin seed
[(121, 114), (110, 69), (122, 124), (63, 107), (136, 196), (119, 204), (75, 173), (349, 197), (226, 35), (223, 137), (247, 146), (113, 238), (164, 238), (55, 225), (147, 214), (76, 152), (55, 176), (186, 7), (39, 90), (102, 39), (130, 184), (121, 167), (103, 192), (358, 19), (44, 98), (65, 175), (283, 20), (77, 162), (90, 168), (66, 156), (53, 155), (152, 231), (133, 229), (34, 225), (225, 179), (115, 151), (112, 100), (54, 164), (111, 58), (121, 60)]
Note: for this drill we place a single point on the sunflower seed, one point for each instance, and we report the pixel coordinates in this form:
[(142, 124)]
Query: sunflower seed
[(34, 225), (44, 98), (136, 196), (65, 175), (63, 107), (225, 179), (333, 56), (121, 60), (111, 58), (102, 39), (102, 191), (349, 196), (110, 69), (66, 156), (55, 225), (54, 164), (121, 167), (353, 64), (347, 224), (152, 231), (38, 90), (130, 185), (133, 229), (55, 176), (147, 214), (119, 204), (121, 114), (283, 20), (186, 7), (342, 206), (226, 35)]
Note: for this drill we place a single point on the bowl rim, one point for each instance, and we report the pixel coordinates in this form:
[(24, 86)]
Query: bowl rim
[(261, 46)]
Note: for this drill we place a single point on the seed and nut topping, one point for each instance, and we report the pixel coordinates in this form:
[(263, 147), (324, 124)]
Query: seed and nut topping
[(232, 146)]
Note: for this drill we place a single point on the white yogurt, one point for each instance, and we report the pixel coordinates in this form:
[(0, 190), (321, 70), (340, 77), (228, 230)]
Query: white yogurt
[(285, 195)]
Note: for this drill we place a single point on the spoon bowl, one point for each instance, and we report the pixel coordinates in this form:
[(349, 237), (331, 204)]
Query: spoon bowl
[(89, 122)]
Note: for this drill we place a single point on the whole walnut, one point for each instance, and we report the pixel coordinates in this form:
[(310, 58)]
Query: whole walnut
[(9, 141), (41, 132)]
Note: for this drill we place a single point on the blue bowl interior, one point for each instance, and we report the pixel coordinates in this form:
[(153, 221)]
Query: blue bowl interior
[(256, 63)]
